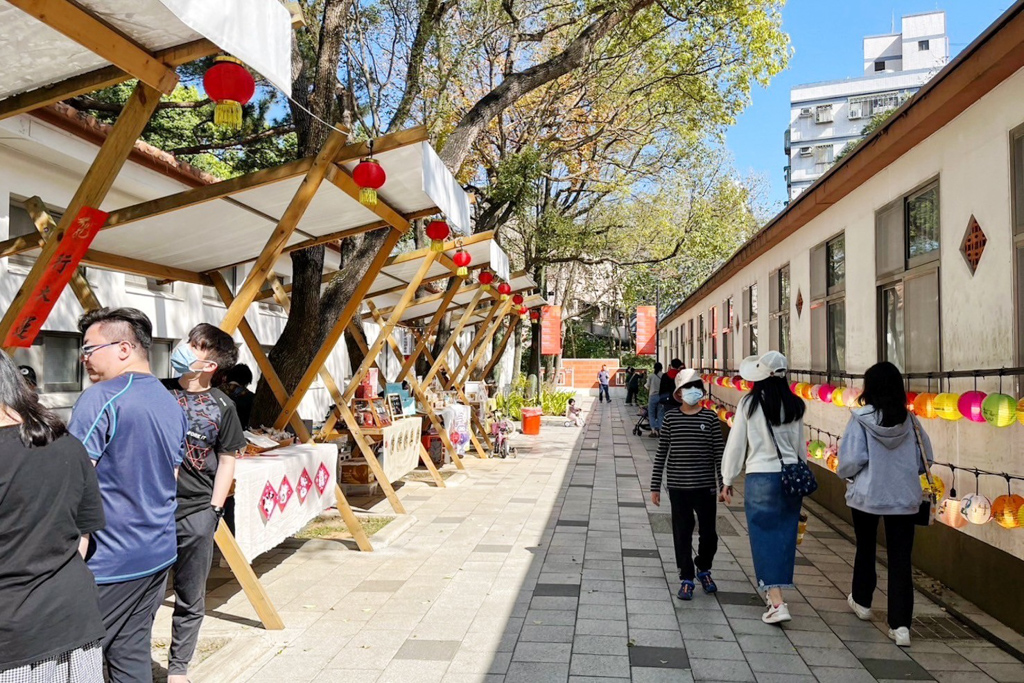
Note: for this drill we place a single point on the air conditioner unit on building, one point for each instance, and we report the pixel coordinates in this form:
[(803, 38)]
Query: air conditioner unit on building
[(806, 152), (806, 113)]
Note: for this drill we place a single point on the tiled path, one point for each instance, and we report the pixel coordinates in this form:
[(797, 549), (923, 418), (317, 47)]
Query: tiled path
[(555, 567)]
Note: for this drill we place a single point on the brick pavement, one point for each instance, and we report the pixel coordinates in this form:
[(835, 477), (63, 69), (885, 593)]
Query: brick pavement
[(556, 567)]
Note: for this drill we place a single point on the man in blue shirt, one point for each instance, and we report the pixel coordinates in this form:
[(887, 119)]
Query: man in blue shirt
[(134, 432), (602, 385)]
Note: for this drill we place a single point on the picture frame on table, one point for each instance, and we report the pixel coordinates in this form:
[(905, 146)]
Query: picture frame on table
[(380, 406), (395, 406)]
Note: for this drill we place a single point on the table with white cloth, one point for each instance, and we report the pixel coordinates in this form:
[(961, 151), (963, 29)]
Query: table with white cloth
[(400, 447), (456, 418), (279, 492)]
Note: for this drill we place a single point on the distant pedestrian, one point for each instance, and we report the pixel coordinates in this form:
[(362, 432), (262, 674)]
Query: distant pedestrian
[(655, 411), (690, 452), (883, 452), (134, 431), (667, 389), (50, 624), (633, 379), (767, 431), (602, 385), (236, 385)]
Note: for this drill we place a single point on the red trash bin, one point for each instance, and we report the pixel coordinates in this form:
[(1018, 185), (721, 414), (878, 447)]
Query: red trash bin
[(531, 420)]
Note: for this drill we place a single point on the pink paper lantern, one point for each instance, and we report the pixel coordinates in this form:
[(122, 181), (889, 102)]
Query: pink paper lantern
[(970, 405), (825, 393)]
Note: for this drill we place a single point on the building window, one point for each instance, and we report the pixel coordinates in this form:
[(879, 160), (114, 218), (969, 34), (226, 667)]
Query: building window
[(923, 45), (749, 320), (55, 358), (1017, 207), (713, 321), (778, 309), (907, 278), (824, 155), (148, 284), (823, 113), (880, 66), (689, 343), (728, 323), (828, 307), (700, 342), (160, 357)]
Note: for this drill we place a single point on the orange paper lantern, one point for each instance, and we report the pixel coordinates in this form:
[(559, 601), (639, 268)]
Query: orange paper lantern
[(832, 462), (1006, 510), (924, 406)]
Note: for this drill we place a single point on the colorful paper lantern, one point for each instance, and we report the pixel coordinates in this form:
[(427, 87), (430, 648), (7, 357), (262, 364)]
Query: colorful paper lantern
[(438, 231), (938, 486), (535, 315), (793, 386), (799, 389), (727, 382), (924, 406), (949, 514), (737, 383), (999, 410), (1020, 411), (832, 462), (523, 310), (969, 405), (462, 259), (816, 449), (976, 508), (1006, 510), (850, 396), (486, 278), (518, 299), (504, 289), (729, 417), (230, 86), (814, 393), (945, 407), (911, 397), (837, 396), (825, 393)]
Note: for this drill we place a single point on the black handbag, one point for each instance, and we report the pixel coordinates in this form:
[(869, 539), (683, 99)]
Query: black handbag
[(929, 505), (797, 477)]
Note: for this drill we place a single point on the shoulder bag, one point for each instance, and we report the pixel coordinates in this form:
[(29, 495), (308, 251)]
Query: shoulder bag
[(929, 505), (797, 477)]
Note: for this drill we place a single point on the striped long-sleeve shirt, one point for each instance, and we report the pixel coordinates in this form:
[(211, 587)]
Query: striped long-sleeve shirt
[(689, 451)]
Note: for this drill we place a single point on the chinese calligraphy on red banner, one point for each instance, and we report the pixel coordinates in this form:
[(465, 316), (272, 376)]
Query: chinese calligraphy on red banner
[(551, 331), (646, 330)]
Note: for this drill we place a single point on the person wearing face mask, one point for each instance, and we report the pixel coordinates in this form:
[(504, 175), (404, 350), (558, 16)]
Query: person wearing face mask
[(690, 460), (214, 440)]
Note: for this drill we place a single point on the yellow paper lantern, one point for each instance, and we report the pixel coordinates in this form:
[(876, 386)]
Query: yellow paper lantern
[(1006, 510), (1020, 411), (837, 396), (938, 486), (924, 406), (946, 407)]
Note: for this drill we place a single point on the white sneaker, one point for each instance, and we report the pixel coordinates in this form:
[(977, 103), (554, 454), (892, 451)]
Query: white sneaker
[(901, 635), (776, 614), (863, 613)]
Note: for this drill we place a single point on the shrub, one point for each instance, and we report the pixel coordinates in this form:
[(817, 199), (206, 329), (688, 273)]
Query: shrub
[(550, 400)]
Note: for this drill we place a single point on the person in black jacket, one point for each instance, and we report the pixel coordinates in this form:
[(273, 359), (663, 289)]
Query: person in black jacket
[(668, 385)]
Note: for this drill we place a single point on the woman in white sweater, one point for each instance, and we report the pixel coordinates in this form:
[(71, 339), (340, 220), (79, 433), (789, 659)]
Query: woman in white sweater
[(767, 430)]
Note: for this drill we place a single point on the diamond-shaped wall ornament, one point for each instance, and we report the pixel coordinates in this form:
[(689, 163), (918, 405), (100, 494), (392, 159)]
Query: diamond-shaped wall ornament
[(799, 303), (973, 245)]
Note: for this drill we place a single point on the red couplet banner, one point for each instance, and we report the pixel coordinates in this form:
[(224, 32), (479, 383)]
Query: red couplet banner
[(59, 270), (551, 331), (646, 330)]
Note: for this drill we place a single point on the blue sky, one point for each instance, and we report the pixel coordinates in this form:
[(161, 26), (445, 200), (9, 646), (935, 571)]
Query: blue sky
[(827, 41)]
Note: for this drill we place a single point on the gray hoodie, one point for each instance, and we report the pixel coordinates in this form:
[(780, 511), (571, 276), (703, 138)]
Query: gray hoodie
[(883, 463)]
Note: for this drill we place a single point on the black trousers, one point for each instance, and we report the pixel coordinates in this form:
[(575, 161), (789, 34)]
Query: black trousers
[(899, 537), (192, 568), (128, 611), (688, 504), (631, 395)]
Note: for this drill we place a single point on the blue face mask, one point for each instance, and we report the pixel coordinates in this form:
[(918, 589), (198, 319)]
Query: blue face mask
[(182, 359), (692, 396)]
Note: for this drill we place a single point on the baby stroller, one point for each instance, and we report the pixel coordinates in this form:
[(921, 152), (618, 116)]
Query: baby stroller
[(643, 422)]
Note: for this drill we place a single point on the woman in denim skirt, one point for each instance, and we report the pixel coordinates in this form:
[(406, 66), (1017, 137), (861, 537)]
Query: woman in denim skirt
[(768, 425)]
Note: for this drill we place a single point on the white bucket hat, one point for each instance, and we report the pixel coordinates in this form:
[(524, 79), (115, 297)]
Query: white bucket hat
[(754, 369), (685, 376)]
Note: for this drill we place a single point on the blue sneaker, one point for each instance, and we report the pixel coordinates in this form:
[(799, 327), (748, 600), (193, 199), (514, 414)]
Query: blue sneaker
[(686, 590), (707, 582)]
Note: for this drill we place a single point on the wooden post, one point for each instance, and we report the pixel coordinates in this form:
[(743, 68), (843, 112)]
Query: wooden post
[(466, 315), (45, 225), (94, 187), (247, 578)]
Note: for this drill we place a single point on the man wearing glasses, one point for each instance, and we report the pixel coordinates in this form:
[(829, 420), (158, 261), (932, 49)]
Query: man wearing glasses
[(134, 432)]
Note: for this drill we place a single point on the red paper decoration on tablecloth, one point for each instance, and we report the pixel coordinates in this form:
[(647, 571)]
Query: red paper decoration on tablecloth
[(323, 478), (284, 493), (268, 502), (303, 485)]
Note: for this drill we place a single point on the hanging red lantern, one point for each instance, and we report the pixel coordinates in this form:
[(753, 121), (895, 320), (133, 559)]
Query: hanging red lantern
[(522, 311), (438, 231), (462, 259), (518, 299), (370, 177), (230, 86), (486, 278), (535, 315), (504, 289)]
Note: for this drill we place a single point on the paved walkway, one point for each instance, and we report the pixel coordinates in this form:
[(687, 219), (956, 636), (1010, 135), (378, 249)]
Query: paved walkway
[(556, 567)]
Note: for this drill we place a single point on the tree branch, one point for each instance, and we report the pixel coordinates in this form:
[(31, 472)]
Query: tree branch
[(255, 137)]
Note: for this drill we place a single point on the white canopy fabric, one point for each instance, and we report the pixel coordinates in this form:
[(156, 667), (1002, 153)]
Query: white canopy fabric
[(258, 32), (233, 229)]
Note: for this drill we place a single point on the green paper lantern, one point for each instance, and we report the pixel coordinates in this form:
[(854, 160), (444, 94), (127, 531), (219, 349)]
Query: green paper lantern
[(999, 410)]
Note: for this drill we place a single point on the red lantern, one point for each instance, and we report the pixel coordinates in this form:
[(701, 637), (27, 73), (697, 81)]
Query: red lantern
[(438, 231), (486, 278), (518, 299), (535, 315), (462, 259), (504, 289), (370, 177), (522, 311), (230, 86)]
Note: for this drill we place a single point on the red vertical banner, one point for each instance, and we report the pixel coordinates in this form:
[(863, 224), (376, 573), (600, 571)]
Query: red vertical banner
[(56, 277), (551, 331), (646, 330)]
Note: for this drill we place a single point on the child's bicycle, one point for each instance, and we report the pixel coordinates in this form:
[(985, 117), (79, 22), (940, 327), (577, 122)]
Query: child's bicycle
[(501, 430)]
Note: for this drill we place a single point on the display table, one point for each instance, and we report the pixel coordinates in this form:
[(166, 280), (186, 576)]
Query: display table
[(278, 493)]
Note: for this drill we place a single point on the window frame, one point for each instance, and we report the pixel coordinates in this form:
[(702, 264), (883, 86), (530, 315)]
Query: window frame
[(821, 111), (779, 309), (924, 45), (1017, 236), (879, 63), (826, 295), (922, 259)]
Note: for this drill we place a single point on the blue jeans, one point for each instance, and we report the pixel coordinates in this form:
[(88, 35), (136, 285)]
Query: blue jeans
[(772, 519), (602, 393), (655, 411)]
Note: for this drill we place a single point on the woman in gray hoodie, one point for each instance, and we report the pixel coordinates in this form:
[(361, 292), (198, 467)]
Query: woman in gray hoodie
[(880, 455)]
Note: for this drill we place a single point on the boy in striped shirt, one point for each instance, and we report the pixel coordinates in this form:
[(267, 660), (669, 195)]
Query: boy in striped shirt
[(690, 460)]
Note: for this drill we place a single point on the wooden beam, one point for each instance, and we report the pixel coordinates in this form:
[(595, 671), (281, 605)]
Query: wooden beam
[(94, 187), (79, 284), (104, 40), (338, 329), (513, 325), (482, 333), (342, 179), (453, 337), (156, 271), (453, 289), (99, 79), (264, 265)]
